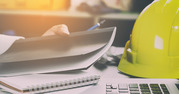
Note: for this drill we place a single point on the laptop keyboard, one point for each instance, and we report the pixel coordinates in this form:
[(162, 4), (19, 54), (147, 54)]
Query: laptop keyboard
[(137, 88)]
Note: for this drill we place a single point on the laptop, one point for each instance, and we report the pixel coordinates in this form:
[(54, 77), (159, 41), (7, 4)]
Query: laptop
[(135, 86), (142, 86)]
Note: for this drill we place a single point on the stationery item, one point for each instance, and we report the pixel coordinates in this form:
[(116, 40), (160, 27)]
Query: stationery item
[(39, 83), (97, 25), (78, 51)]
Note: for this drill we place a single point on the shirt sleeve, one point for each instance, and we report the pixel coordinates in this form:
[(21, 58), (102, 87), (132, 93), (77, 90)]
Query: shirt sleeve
[(7, 41)]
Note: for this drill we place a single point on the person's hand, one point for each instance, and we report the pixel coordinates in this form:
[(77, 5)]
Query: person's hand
[(61, 30)]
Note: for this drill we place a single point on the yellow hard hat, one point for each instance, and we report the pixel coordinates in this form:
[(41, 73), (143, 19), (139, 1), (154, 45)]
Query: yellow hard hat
[(153, 48)]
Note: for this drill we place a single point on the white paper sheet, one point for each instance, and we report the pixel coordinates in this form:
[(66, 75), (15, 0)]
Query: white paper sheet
[(6, 42)]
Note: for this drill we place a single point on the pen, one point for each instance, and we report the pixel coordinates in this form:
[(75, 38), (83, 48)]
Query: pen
[(97, 25)]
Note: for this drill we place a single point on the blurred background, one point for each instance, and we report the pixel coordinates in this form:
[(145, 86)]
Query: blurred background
[(31, 18)]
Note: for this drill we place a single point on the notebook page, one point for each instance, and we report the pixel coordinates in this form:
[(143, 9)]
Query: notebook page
[(41, 80)]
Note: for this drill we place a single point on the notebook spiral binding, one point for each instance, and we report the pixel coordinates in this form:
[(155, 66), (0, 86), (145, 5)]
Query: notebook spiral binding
[(62, 85)]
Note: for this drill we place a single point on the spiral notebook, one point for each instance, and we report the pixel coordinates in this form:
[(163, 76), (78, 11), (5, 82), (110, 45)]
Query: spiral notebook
[(39, 83)]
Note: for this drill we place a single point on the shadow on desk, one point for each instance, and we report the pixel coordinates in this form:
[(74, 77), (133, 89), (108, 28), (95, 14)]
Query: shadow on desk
[(101, 67), (111, 59)]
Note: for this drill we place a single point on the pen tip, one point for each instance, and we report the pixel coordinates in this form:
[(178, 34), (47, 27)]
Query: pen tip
[(102, 21)]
